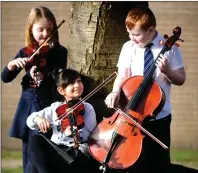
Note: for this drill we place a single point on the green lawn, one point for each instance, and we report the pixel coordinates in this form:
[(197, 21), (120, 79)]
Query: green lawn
[(12, 170), (184, 157), (11, 154)]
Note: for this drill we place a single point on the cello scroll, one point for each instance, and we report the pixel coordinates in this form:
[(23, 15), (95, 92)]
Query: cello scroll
[(170, 41)]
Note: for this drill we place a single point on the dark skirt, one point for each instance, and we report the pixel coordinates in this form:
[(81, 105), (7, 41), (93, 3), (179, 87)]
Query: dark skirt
[(28, 104)]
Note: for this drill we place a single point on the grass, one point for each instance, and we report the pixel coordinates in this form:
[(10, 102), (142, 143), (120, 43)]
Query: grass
[(176, 155), (185, 157), (12, 170), (11, 154)]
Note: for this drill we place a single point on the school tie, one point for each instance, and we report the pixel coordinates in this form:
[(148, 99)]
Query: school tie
[(148, 58)]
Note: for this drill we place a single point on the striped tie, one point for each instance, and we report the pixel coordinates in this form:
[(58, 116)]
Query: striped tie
[(148, 58)]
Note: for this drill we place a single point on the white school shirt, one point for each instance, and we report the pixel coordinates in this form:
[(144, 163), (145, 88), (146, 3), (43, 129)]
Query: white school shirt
[(58, 137), (132, 57)]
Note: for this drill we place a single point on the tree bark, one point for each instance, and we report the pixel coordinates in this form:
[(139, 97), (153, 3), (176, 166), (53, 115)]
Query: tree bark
[(97, 33)]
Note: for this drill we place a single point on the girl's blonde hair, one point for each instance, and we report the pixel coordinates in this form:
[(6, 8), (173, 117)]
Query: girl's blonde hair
[(35, 15)]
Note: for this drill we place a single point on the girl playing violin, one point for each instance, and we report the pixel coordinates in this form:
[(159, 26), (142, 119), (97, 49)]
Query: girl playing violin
[(37, 82), (59, 153)]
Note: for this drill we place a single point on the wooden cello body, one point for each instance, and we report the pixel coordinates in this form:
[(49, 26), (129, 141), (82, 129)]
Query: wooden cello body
[(116, 142), (128, 150)]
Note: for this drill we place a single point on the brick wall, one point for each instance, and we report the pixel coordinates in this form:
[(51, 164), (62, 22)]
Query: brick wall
[(168, 14), (184, 98)]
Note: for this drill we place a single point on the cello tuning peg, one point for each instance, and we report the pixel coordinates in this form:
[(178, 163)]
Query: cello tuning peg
[(181, 40), (166, 36), (176, 44), (161, 42)]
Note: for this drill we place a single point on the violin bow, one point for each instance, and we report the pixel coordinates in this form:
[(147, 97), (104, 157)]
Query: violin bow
[(106, 81), (50, 36)]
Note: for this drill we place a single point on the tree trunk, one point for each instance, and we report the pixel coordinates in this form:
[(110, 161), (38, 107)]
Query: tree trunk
[(97, 33)]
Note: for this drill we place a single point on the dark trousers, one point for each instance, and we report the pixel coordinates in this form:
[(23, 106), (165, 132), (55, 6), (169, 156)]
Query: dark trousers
[(34, 106), (25, 154), (45, 158), (154, 158), (157, 158)]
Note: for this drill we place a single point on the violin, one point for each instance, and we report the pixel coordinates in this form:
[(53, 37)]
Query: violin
[(46, 42), (37, 53), (72, 112), (73, 118), (62, 111), (116, 142), (39, 59)]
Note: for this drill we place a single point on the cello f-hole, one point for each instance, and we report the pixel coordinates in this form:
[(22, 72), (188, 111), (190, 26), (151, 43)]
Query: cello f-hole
[(112, 122)]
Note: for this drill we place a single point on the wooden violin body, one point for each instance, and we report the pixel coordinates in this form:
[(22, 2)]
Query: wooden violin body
[(70, 117), (39, 59), (40, 51), (77, 116)]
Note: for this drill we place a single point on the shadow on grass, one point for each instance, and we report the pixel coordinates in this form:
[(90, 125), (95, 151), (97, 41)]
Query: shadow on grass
[(176, 168)]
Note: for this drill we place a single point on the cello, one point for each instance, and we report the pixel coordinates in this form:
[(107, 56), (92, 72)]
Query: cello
[(116, 142)]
